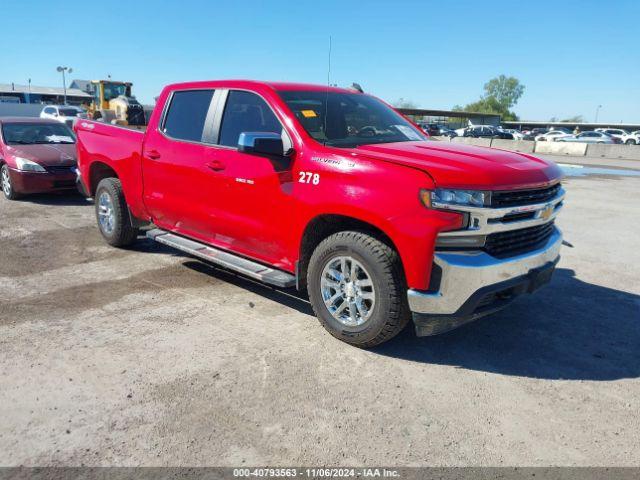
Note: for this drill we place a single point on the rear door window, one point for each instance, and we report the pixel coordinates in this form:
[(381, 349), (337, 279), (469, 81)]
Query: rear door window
[(187, 114)]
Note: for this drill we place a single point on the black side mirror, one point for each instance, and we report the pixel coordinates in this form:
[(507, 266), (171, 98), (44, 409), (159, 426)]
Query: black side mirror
[(261, 143)]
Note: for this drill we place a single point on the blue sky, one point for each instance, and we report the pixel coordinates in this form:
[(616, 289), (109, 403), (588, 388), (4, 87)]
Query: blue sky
[(571, 55)]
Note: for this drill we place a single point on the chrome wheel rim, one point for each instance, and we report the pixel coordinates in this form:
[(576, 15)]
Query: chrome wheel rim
[(347, 291), (106, 215), (6, 182)]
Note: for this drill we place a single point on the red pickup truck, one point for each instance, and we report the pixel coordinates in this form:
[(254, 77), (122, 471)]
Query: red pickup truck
[(332, 191)]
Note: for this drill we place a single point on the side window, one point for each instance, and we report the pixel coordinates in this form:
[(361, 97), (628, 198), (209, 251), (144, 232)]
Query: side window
[(187, 114), (246, 112), (49, 110)]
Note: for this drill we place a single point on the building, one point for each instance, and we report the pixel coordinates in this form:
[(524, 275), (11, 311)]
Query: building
[(451, 119), (83, 85), (14, 93)]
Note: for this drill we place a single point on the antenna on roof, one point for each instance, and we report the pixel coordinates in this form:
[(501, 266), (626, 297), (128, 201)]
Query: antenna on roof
[(329, 66)]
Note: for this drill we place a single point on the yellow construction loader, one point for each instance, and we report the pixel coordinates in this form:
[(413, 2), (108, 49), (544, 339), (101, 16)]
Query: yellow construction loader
[(113, 103)]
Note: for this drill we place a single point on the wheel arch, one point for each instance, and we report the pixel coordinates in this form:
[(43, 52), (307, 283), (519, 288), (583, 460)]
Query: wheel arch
[(97, 172), (325, 225)]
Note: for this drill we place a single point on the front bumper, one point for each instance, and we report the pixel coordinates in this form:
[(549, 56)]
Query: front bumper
[(474, 284), (32, 182)]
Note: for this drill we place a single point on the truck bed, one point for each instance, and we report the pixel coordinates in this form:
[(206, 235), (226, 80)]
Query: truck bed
[(116, 147)]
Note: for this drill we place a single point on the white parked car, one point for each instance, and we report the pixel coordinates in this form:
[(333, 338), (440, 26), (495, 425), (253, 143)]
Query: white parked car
[(590, 137), (629, 138), (552, 136), (63, 113), (633, 138)]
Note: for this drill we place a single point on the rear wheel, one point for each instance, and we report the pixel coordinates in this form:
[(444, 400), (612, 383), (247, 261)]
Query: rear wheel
[(357, 289), (113, 215), (7, 187)]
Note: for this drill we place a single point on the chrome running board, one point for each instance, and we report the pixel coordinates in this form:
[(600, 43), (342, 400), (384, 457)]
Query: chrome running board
[(228, 260)]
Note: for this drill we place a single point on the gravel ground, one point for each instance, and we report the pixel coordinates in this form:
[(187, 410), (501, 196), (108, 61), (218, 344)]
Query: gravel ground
[(148, 357)]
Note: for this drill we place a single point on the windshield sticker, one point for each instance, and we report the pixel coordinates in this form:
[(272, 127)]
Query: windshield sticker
[(409, 132), (308, 113), (59, 138)]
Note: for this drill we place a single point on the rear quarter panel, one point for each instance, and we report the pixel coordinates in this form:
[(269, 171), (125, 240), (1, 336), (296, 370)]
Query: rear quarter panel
[(118, 148)]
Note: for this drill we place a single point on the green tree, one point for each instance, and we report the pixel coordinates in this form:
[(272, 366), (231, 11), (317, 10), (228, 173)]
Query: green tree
[(501, 94), (505, 90)]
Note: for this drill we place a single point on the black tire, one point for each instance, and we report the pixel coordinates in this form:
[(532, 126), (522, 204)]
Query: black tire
[(630, 142), (389, 314), (120, 232), (7, 187)]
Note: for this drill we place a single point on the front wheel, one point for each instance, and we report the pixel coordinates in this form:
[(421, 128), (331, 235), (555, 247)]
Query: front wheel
[(7, 187), (630, 142), (357, 289), (112, 214)]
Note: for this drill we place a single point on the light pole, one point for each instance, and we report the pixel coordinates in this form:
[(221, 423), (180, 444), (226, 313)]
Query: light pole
[(597, 111), (64, 82)]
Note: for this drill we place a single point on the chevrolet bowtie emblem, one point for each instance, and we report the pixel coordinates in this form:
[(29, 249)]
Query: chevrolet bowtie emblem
[(546, 212)]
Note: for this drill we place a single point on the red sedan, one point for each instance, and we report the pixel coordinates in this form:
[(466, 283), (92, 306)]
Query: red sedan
[(36, 155)]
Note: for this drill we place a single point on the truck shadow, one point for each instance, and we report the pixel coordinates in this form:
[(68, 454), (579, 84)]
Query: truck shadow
[(569, 330), (63, 199), (289, 297)]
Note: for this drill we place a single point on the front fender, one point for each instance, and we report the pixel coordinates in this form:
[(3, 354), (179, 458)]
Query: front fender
[(385, 196)]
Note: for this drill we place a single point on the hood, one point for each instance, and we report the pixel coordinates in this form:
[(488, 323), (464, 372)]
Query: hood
[(46, 154), (455, 165)]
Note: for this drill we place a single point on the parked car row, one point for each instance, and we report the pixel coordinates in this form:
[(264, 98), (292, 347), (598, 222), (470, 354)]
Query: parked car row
[(487, 131), (632, 138), (599, 135), (564, 135), (435, 130), (556, 134)]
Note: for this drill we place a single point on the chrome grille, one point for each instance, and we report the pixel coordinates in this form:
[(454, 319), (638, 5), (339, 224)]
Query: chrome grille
[(61, 168)]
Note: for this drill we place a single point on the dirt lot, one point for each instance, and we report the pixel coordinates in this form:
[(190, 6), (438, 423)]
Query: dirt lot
[(148, 357)]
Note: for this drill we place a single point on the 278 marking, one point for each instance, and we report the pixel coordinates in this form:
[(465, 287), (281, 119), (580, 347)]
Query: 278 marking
[(309, 177)]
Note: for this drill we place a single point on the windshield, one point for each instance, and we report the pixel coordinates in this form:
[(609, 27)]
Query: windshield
[(113, 90), (33, 133), (68, 112), (348, 120)]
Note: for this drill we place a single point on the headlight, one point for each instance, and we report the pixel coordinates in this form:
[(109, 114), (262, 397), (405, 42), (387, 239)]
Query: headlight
[(447, 198), (28, 166)]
